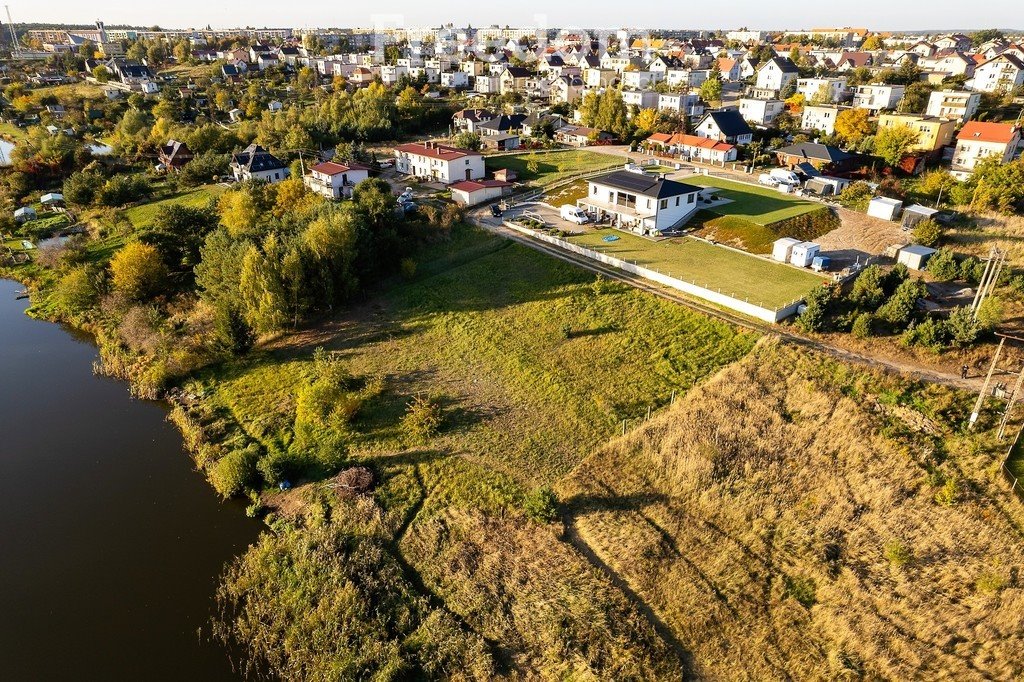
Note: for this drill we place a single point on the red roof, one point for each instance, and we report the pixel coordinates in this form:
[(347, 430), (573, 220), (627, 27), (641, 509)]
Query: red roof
[(1001, 133), (681, 139), (331, 168), (435, 150), (475, 185)]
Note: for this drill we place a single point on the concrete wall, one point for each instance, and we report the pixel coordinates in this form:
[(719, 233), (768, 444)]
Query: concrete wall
[(749, 309)]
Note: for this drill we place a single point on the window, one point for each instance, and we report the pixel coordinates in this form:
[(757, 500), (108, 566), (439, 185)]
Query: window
[(664, 204), (689, 198), (677, 201)]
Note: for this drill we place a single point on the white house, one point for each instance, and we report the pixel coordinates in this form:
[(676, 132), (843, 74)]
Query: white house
[(822, 90), (694, 148), (688, 104), (644, 99), (456, 80), (1002, 73), (642, 203), (956, 105), (726, 125), (390, 73), (335, 180), (685, 78), (761, 112), (777, 74), (473, 192), (820, 117), (982, 140), (439, 162), (874, 98), (256, 163), (639, 80)]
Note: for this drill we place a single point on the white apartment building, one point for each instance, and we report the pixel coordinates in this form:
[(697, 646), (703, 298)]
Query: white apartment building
[(438, 162), (874, 98), (956, 105), (822, 90)]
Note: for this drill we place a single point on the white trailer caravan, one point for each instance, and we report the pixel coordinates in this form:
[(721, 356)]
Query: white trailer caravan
[(804, 253), (782, 249)]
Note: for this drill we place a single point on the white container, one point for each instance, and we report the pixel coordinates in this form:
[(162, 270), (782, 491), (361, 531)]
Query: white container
[(803, 254), (782, 249)]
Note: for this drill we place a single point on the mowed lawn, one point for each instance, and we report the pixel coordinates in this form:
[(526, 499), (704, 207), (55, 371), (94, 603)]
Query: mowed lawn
[(761, 205), (143, 214), (553, 166), (536, 361), (762, 282)]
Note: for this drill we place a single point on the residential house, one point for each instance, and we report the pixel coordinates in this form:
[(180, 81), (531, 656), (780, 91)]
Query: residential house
[(729, 68), (820, 117), (600, 78), (501, 125), (776, 75), (537, 123), (581, 136), (748, 68), (1002, 73), (567, 89), (438, 162), (822, 90), (643, 99), (390, 73), (875, 98), (949, 64), (761, 112), (174, 155), (641, 80), (486, 85), (129, 72), (686, 104), (335, 180), (362, 76), (933, 133), (725, 125), (693, 148), (256, 163), (466, 120), (456, 80), (849, 61), (983, 140), (685, 78), (512, 79), (822, 157), (642, 203), (956, 105), (475, 192)]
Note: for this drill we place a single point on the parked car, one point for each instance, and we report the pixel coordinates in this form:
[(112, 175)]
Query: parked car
[(495, 210), (574, 214), (785, 177)]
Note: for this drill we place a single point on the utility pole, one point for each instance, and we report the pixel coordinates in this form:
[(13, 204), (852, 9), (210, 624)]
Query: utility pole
[(993, 269), (984, 387), (1014, 396)]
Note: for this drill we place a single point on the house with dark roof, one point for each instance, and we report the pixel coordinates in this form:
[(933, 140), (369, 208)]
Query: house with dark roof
[(639, 202), (256, 163), (504, 123), (174, 155), (467, 120), (823, 157), (777, 74), (725, 125), (129, 72)]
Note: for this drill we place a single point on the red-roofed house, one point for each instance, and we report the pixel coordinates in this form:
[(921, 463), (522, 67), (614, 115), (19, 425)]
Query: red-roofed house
[(473, 192), (335, 180), (693, 148), (439, 162), (982, 140), (730, 69)]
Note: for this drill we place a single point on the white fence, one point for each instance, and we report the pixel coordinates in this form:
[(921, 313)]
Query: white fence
[(718, 298)]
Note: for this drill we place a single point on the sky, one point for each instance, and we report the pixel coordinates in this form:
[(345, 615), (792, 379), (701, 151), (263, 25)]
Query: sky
[(874, 14)]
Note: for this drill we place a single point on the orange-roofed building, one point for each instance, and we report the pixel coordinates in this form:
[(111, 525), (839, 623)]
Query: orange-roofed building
[(979, 140), (693, 148)]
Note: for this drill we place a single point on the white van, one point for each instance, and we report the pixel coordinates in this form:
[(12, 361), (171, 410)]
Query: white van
[(574, 214), (767, 179), (785, 177)]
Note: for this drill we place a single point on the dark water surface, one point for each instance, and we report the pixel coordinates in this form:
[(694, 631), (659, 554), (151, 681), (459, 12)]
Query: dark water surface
[(110, 541)]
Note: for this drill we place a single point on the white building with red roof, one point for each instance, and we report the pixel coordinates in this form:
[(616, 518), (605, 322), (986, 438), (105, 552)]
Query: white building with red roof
[(438, 162), (473, 192), (979, 140), (335, 180), (694, 148)]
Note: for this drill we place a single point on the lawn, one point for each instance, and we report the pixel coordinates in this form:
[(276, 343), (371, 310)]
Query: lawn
[(568, 194), (553, 166), (739, 275), (535, 364), (761, 205), (737, 232), (143, 214), (13, 132)]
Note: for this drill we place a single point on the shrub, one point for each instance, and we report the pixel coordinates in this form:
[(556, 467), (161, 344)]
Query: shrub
[(818, 301), (137, 270), (236, 471), (930, 334), (990, 313), (901, 305), (856, 196), (408, 268), (278, 467), (422, 419), (949, 493), (962, 328), (971, 270), (862, 325), (990, 581), (75, 293), (124, 189), (897, 554), (868, 291), (943, 265), (927, 232), (541, 505), (802, 589)]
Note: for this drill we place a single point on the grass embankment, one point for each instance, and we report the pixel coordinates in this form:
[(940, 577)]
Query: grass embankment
[(534, 363), (744, 277), (143, 214), (553, 166), (761, 205), (796, 518)]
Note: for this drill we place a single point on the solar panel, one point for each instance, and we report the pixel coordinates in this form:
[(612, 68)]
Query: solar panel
[(630, 181)]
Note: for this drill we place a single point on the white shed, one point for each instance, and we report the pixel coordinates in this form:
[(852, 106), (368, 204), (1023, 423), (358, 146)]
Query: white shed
[(782, 249), (473, 192), (24, 214), (915, 256), (885, 208), (804, 253), (915, 213)]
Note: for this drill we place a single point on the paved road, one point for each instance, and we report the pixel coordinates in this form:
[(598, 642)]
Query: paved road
[(495, 225)]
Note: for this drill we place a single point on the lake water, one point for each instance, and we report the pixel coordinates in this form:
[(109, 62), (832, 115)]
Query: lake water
[(110, 541)]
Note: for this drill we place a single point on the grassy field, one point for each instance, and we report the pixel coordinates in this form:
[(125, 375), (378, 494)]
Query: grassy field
[(12, 132), (760, 205), (553, 166), (800, 508), (143, 214), (80, 90), (764, 283), (568, 194)]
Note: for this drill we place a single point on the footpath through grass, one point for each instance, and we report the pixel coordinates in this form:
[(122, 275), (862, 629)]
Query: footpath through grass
[(535, 362), (760, 205), (762, 282), (553, 166)]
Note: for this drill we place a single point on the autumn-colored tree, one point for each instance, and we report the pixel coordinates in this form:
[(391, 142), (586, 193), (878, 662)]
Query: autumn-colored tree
[(292, 195), (893, 142), (853, 125), (137, 270), (238, 212)]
